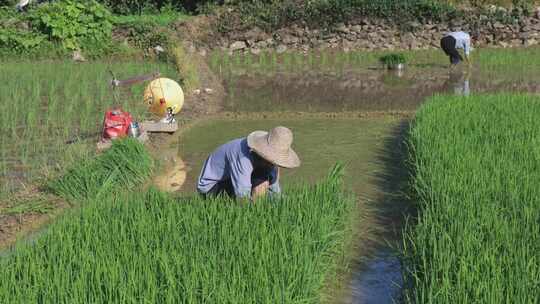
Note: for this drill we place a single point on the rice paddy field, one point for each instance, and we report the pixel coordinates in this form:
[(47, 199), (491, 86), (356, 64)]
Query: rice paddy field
[(148, 247), (49, 103), (473, 237), (477, 238), (518, 63)]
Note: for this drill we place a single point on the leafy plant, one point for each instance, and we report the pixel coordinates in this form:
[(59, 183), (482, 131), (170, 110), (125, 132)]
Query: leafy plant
[(73, 23), (19, 40)]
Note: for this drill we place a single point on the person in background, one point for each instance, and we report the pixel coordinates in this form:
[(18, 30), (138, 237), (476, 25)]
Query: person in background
[(248, 167), (453, 41)]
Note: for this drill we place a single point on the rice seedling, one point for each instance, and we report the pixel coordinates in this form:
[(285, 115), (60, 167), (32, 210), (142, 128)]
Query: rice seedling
[(505, 63), (477, 237), (125, 165), (152, 248), (49, 103)]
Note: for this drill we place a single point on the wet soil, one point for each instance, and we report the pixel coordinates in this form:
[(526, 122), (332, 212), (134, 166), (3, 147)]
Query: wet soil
[(26, 212)]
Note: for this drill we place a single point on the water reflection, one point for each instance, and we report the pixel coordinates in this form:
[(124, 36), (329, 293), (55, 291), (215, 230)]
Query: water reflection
[(173, 177), (459, 83), (379, 282)]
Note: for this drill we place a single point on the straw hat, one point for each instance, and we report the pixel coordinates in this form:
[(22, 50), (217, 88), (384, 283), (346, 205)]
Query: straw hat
[(275, 146)]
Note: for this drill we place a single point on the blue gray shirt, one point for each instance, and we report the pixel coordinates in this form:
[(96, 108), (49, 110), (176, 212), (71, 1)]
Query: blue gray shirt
[(233, 161), (463, 41)]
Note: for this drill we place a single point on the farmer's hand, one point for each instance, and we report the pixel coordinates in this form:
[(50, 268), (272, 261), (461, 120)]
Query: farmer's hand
[(260, 190)]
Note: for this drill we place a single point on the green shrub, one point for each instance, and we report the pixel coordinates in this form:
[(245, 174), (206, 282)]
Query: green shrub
[(20, 40), (146, 34), (74, 24), (277, 13)]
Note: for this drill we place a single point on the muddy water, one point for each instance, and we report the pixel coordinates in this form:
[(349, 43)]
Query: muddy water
[(359, 90), (319, 142)]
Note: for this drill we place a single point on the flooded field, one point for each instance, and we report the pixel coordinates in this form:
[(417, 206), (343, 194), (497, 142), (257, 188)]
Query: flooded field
[(368, 90)]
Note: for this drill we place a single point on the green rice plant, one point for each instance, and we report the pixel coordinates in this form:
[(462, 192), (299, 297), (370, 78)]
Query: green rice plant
[(392, 60), (32, 206), (504, 63), (152, 248), (477, 236), (125, 165)]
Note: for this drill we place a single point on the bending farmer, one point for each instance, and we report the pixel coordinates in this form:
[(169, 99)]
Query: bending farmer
[(248, 167), (456, 40)]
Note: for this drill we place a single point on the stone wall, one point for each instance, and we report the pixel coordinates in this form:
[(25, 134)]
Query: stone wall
[(370, 34)]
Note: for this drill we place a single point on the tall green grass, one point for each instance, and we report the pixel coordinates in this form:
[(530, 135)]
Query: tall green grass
[(476, 164), (152, 248), (47, 103), (122, 167)]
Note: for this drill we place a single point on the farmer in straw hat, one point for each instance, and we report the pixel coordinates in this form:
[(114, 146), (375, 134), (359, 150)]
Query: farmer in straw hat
[(249, 167)]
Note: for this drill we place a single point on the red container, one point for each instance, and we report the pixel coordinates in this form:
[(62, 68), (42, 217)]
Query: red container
[(116, 124)]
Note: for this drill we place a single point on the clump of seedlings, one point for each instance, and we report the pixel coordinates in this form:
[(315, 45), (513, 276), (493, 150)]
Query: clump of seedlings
[(394, 61)]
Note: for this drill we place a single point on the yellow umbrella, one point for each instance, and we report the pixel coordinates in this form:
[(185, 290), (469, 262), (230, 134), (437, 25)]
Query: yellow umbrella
[(163, 93)]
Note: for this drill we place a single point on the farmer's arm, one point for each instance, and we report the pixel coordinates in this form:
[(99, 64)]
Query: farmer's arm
[(467, 50), (274, 188)]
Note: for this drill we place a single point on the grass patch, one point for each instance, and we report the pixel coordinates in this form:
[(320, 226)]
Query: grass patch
[(153, 248), (159, 19), (186, 65), (476, 182), (123, 166)]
